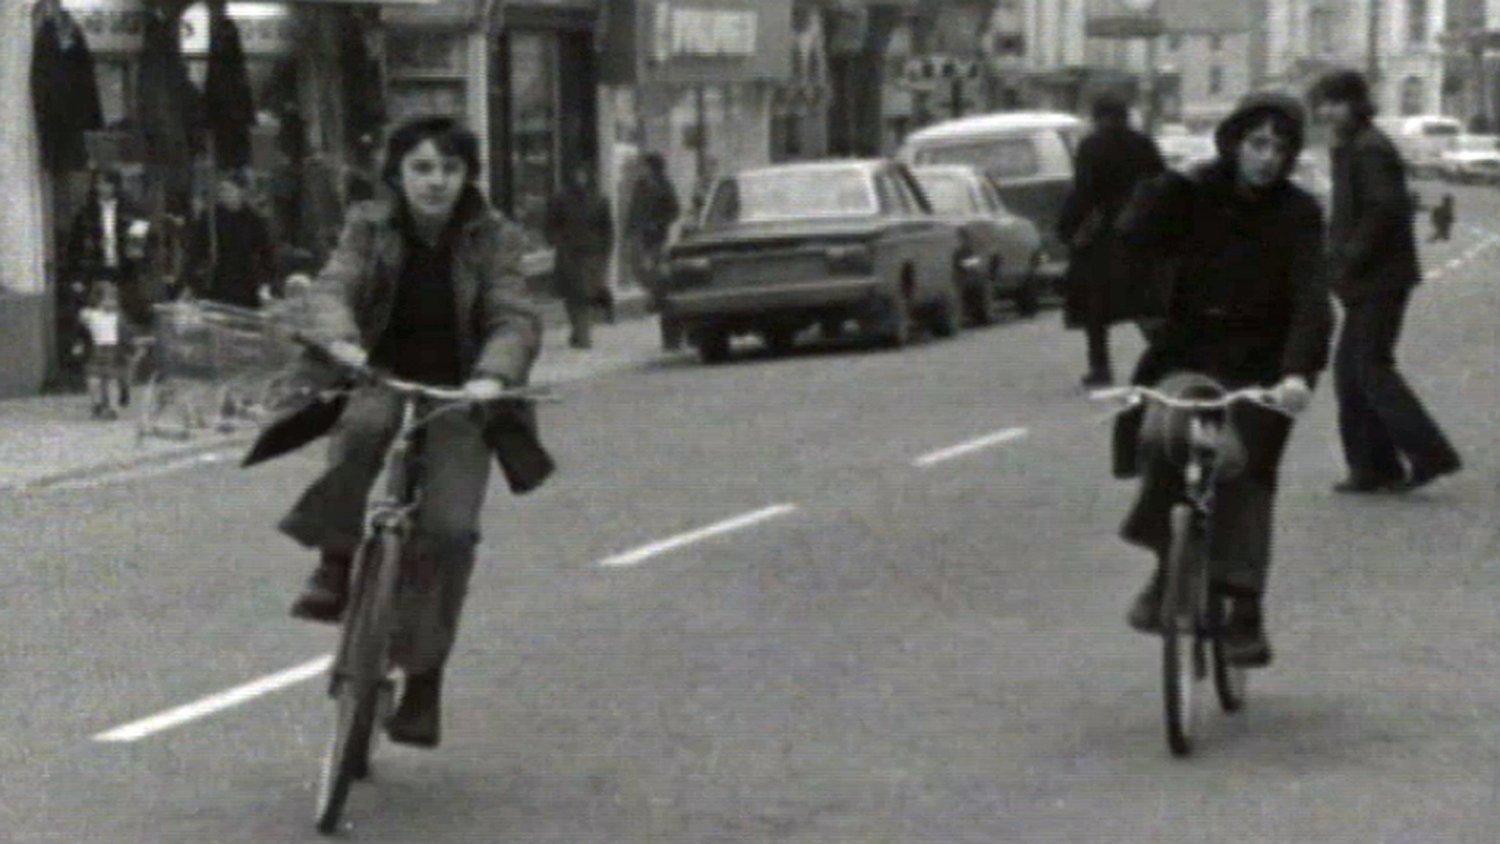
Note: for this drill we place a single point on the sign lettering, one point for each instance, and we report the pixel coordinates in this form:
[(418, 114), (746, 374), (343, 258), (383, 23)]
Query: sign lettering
[(702, 32)]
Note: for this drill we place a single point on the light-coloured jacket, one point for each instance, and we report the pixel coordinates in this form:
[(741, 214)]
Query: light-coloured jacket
[(499, 329)]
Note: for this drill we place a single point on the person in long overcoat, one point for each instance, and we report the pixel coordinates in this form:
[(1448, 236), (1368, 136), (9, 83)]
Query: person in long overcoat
[(1391, 442), (427, 286), (1111, 161), (1249, 306), (64, 89), (580, 228), (653, 209)]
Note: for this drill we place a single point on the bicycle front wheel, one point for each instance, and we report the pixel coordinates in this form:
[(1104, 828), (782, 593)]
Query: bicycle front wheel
[(1183, 659), (359, 675)]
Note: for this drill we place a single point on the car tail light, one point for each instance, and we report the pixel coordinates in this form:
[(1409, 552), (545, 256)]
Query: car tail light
[(853, 258)]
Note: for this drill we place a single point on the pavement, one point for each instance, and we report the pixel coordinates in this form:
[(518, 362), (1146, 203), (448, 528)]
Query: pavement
[(51, 439), (843, 596)]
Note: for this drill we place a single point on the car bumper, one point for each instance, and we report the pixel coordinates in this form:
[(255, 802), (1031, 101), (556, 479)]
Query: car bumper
[(750, 301)]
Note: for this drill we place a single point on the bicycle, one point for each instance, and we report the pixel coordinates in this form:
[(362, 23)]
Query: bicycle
[(360, 675), (1192, 616)]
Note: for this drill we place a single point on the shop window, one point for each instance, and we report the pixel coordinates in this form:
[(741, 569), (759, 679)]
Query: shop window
[(426, 71), (1216, 80), (534, 149), (1417, 30)]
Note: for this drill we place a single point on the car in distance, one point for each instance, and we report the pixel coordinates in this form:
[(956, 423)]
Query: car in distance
[(778, 249), (998, 251), (1028, 155)]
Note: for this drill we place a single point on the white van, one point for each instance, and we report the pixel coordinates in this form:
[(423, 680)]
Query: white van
[(1422, 139), (1028, 155)]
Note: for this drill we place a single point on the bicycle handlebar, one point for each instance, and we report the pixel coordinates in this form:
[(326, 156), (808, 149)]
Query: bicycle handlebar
[(402, 386), (1130, 397)]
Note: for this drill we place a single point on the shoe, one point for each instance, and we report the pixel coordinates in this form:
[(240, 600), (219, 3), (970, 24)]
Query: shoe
[(1421, 477), (327, 591), (417, 721), (1244, 640), (1097, 380), (1353, 487), (1145, 612)]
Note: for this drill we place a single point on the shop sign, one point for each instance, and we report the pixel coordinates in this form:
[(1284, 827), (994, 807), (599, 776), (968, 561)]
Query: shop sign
[(689, 31)]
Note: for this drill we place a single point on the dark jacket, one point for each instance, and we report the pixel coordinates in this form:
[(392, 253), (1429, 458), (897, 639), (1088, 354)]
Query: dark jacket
[(653, 209), (581, 230), (1108, 167), (500, 332), (228, 106), (1372, 246), (241, 242), (64, 93), (1249, 299)]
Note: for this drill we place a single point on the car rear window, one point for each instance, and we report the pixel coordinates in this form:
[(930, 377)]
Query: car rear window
[(948, 194), (1017, 156), (792, 194)]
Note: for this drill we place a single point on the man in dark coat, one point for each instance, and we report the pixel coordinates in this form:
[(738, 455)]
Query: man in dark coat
[(653, 209), (1110, 163), (230, 255), (64, 91), (1390, 442), (581, 230)]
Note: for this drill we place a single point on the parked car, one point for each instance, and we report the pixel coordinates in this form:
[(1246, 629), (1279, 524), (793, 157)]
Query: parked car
[(998, 250), (1474, 159), (1028, 154), (779, 249), (1422, 139)]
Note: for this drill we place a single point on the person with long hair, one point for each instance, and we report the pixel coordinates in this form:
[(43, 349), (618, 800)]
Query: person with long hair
[(426, 285)]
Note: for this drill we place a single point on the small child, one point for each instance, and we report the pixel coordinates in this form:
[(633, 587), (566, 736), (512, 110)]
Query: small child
[(105, 366)]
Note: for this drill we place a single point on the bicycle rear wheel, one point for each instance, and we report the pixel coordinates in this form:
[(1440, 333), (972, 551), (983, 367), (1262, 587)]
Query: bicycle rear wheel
[(1183, 658), (1230, 680), (360, 675)]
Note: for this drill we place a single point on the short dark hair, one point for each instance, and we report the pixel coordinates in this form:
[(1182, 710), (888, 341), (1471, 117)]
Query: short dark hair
[(1110, 107), (448, 135), (1344, 86)]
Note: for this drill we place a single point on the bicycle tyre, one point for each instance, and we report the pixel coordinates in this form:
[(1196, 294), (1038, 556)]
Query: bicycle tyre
[(361, 675), (1230, 681), (1182, 648)]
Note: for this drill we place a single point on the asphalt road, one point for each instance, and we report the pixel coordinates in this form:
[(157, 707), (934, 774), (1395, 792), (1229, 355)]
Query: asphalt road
[(904, 650)]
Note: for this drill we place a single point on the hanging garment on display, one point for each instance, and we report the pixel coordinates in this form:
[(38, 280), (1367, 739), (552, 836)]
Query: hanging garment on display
[(169, 107), (228, 107), (64, 92)]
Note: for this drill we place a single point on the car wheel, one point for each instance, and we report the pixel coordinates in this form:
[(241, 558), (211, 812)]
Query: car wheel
[(713, 345), (979, 299), (944, 321), (897, 322), (779, 340)]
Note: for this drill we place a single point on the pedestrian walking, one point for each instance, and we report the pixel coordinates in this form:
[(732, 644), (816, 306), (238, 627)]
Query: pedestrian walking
[(230, 255), (1250, 308), (1111, 161), (106, 242), (648, 222), (1390, 441), (429, 288), (105, 355), (1443, 218), (581, 230)]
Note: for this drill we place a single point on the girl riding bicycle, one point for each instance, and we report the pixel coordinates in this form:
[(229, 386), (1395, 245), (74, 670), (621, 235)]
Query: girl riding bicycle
[(1247, 305), (426, 285)]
